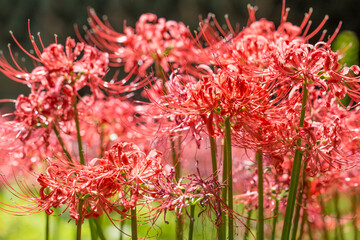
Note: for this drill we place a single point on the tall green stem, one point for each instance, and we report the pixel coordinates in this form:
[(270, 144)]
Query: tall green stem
[(276, 212), (354, 210), (47, 227), (338, 215), (215, 175), (78, 134), (99, 230), (260, 172), (229, 170), (62, 144), (79, 222), (222, 227), (323, 213), (102, 150), (92, 229), (213, 157), (176, 164), (299, 203), (295, 173), (191, 227), (247, 230), (303, 220), (309, 228), (296, 217), (133, 224), (175, 156), (122, 223)]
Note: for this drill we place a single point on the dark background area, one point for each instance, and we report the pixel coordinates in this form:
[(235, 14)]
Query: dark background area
[(51, 17)]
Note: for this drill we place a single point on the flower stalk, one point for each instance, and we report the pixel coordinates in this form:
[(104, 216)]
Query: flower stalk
[(134, 234), (213, 157), (299, 203), (229, 175), (62, 144), (222, 227), (354, 212), (192, 220), (274, 222), (79, 221), (247, 229), (295, 173), (338, 216), (260, 172), (323, 213), (47, 227), (78, 134)]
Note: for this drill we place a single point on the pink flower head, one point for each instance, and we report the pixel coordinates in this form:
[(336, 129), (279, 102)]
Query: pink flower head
[(72, 68), (154, 40), (117, 182)]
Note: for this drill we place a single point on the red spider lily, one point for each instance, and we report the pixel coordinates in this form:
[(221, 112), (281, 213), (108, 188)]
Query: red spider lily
[(154, 40), (117, 182), (43, 109), (23, 148), (60, 69), (109, 120), (189, 191), (317, 65)]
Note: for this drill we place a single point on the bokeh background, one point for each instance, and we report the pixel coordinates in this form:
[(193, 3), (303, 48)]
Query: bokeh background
[(51, 17)]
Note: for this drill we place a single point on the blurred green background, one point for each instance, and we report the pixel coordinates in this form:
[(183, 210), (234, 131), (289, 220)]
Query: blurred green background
[(51, 17)]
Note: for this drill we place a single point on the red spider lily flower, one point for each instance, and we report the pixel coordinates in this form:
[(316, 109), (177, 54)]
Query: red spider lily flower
[(23, 148), (317, 65), (191, 190), (154, 40), (71, 69), (43, 109), (108, 120), (117, 182)]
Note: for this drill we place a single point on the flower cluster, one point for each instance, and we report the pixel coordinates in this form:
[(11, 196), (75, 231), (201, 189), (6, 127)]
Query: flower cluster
[(263, 90)]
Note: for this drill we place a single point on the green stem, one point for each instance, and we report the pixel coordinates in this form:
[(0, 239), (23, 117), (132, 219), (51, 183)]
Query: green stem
[(62, 144), (338, 215), (99, 230), (354, 210), (296, 217), (222, 227), (303, 220), (47, 227), (78, 135), (191, 227), (295, 173), (175, 158), (133, 224), (122, 223), (230, 181), (102, 150), (215, 174), (260, 172), (309, 228), (247, 229), (323, 213), (176, 164), (160, 73), (79, 222), (276, 212), (92, 229), (213, 157), (299, 203)]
